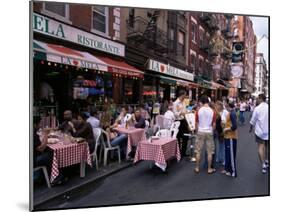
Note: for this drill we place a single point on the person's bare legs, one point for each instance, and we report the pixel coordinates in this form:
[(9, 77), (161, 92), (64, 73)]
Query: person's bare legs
[(210, 157), (266, 153), (198, 156), (261, 150)]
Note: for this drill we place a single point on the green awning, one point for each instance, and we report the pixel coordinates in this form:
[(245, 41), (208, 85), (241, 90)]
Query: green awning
[(162, 79), (39, 55)]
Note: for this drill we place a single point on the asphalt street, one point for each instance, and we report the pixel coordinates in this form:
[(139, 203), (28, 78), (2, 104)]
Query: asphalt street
[(142, 184)]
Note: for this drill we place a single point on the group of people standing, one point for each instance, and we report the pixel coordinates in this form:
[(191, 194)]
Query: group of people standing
[(216, 126)]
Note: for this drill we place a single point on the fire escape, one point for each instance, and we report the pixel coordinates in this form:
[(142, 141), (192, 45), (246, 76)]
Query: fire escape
[(144, 34), (224, 37)]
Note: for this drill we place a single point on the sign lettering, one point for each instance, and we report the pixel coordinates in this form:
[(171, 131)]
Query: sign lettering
[(169, 70), (48, 26)]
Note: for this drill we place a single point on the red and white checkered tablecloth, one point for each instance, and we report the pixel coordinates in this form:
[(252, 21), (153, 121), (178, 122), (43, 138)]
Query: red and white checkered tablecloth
[(67, 155), (159, 150), (135, 135)]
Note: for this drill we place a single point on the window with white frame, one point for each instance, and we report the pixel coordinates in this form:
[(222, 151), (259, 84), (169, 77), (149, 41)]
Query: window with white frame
[(100, 19), (193, 32), (57, 10), (181, 41)]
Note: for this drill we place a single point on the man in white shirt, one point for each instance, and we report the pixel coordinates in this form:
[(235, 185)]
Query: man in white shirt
[(243, 107), (94, 122), (259, 120), (205, 124)]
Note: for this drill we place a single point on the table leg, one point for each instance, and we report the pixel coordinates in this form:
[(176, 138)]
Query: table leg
[(82, 169)]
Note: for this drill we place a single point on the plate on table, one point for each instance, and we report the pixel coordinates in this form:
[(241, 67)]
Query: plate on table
[(53, 140), (78, 140)]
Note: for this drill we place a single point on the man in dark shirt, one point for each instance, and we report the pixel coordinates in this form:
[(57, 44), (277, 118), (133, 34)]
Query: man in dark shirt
[(138, 120), (66, 126), (83, 130)]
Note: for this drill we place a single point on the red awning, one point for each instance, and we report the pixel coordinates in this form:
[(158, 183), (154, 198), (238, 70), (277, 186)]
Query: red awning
[(121, 67)]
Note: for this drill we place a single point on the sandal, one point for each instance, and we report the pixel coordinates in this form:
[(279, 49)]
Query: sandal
[(211, 172), (196, 170)]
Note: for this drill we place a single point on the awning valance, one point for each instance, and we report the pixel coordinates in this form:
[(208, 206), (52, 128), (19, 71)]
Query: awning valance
[(218, 86), (60, 54), (187, 84)]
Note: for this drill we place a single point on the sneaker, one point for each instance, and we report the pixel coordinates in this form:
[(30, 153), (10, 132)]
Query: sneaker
[(264, 170), (266, 163)]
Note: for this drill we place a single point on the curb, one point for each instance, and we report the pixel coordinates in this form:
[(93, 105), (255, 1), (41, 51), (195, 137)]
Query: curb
[(84, 184)]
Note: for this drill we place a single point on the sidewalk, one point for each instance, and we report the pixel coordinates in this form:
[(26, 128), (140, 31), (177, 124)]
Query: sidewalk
[(43, 194)]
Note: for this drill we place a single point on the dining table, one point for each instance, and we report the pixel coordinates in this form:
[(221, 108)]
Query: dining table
[(159, 150), (135, 135), (68, 151)]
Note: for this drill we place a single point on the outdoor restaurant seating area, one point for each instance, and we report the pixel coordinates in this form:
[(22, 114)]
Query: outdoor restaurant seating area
[(126, 139)]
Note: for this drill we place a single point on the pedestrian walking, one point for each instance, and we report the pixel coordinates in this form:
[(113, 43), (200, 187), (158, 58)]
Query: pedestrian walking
[(230, 140), (259, 120), (242, 110), (205, 124)]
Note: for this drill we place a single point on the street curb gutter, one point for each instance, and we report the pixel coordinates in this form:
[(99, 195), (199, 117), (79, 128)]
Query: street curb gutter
[(97, 178)]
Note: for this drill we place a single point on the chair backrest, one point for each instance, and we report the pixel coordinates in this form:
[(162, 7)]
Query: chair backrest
[(159, 121), (164, 133), (106, 143), (174, 133), (175, 125), (146, 124), (97, 135), (167, 123)]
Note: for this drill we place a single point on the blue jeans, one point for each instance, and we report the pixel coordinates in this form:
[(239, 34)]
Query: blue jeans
[(242, 117), (219, 145), (44, 159), (121, 141)]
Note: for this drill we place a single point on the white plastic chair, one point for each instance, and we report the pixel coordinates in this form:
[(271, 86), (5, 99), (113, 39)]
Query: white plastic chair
[(106, 147), (175, 125), (97, 135), (164, 133), (174, 133), (44, 169), (167, 123), (146, 124)]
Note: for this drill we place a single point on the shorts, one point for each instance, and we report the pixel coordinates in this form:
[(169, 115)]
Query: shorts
[(260, 141), (205, 138)]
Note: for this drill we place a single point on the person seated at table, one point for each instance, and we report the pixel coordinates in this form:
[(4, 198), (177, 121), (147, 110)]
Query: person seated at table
[(93, 120), (122, 118), (84, 130), (66, 126), (138, 120), (42, 156), (117, 139), (144, 113)]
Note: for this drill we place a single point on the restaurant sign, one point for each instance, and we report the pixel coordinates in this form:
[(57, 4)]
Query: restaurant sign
[(48, 26), (169, 70)]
